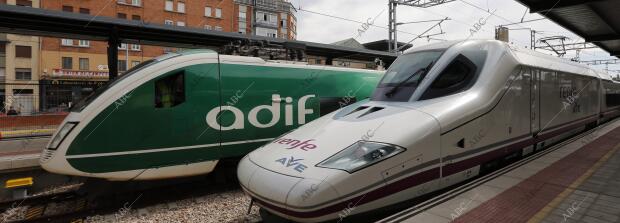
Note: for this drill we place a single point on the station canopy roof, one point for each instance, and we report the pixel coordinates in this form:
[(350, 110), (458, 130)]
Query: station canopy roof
[(597, 21), (54, 23)]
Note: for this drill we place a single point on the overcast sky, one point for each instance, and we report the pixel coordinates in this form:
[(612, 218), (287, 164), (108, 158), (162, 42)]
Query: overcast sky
[(324, 29)]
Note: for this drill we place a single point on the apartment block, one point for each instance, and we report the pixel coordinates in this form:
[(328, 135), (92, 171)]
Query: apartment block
[(72, 68), (19, 68)]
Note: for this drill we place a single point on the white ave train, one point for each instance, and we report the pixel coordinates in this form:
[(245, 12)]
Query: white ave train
[(442, 114)]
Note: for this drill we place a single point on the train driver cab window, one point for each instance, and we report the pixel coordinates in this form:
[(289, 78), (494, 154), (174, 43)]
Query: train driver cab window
[(457, 77), (170, 90)]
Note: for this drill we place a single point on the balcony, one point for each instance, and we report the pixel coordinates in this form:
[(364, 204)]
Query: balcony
[(266, 24), (269, 5)]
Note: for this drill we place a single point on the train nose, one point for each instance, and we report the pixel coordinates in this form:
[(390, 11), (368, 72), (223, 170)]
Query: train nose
[(291, 192), (53, 157)]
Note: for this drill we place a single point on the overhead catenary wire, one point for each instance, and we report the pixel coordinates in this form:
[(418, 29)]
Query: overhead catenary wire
[(349, 20), (456, 20), (510, 21)]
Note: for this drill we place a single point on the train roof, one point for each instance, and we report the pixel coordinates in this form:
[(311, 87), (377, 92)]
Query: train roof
[(195, 51), (527, 57), (260, 61)]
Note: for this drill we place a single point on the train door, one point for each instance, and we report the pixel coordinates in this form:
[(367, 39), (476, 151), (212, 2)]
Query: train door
[(195, 91), (534, 76)]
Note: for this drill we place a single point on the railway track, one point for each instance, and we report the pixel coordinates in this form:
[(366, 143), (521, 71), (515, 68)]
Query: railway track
[(99, 197), (103, 197)]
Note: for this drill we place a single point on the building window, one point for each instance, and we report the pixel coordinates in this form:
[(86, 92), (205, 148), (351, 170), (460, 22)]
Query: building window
[(22, 91), (283, 21), (242, 27), (23, 74), (66, 42), (135, 63), (84, 43), (208, 11), (273, 19), (218, 13), (169, 6), (261, 16), (84, 11), (136, 17), (242, 19), (181, 7), (122, 65), (27, 3), (121, 15), (133, 2), (84, 64), (2, 75), (208, 27), (260, 31), (23, 51), (122, 46), (169, 22), (67, 63), (218, 28), (180, 23), (2, 48), (67, 8), (242, 12), (135, 47)]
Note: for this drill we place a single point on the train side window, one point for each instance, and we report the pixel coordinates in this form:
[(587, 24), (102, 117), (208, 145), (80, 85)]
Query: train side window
[(612, 100), (170, 90), (456, 77)]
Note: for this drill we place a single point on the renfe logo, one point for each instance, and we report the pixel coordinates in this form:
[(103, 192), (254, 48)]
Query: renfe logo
[(274, 108), (305, 145)]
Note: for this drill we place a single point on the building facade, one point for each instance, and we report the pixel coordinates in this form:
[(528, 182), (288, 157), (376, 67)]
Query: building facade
[(271, 18), (56, 72), (19, 69)]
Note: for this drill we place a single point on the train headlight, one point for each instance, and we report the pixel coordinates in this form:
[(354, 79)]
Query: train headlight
[(360, 155), (62, 133)]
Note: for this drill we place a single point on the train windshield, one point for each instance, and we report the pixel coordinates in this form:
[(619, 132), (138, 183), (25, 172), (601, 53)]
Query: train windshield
[(404, 75), (80, 105)]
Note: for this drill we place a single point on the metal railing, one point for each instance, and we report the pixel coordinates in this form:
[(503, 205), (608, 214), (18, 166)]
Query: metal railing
[(24, 114)]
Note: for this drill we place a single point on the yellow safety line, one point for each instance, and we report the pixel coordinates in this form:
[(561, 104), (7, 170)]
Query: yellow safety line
[(538, 217), (17, 132)]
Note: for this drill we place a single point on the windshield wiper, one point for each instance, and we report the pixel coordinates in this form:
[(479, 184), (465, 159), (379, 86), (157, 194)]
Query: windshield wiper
[(423, 71)]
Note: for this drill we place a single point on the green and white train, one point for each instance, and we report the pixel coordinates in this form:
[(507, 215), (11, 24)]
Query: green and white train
[(178, 114)]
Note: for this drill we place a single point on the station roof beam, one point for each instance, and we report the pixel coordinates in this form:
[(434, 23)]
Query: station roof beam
[(596, 21), (544, 6), (42, 22)]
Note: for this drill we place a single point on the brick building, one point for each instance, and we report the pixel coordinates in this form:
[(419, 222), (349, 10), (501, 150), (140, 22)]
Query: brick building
[(65, 70)]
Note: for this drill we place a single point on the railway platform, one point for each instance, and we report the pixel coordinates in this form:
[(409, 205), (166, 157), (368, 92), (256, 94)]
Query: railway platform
[(21, 153), (577, 181)]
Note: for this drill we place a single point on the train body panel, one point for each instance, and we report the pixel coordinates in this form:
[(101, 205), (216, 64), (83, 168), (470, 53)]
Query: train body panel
[(179, 114), (448, 112)]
